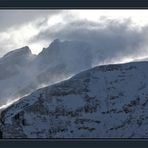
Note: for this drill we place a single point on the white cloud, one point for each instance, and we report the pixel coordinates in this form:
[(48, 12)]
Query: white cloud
[(65, 24)]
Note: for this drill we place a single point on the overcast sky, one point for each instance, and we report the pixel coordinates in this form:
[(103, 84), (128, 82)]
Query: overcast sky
[(114, 31)]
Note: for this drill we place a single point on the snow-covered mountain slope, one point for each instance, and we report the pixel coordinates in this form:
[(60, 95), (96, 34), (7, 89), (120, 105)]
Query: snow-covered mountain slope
[(104, 102)]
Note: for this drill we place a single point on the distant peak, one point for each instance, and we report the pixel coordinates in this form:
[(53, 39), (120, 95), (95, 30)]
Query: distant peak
[(21, 51), (25, 49), (55, 42)]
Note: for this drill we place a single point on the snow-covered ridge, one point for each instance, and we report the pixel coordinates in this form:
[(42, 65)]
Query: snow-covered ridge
[(103, 102)]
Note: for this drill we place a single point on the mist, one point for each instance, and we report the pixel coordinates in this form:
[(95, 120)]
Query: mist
[(26, 72)]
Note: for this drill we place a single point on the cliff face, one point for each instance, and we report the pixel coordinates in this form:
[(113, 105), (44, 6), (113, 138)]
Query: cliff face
[(104, 102)]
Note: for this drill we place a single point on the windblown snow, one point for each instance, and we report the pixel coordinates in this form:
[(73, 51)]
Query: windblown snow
[(21, 72), (107, 101)]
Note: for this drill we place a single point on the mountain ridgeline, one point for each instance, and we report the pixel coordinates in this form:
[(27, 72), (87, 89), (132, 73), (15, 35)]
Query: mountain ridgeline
[(107, 101)]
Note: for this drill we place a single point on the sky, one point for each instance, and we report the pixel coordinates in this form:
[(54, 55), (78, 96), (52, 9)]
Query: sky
[(120, 34)]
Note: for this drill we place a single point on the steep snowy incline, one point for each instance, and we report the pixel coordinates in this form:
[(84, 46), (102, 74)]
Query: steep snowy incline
[(104, 102)]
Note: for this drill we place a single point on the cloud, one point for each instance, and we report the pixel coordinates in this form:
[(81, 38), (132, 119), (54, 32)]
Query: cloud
[(11, 18), (18, 26), (111, 40)]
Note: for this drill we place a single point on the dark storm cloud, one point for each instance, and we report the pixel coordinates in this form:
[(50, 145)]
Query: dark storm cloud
[(10, 18), (110, 40)]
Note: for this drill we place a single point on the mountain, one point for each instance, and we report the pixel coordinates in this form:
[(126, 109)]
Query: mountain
[(12, 71), (67, 53), (12, 62), (108, 101), (22, 72)]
